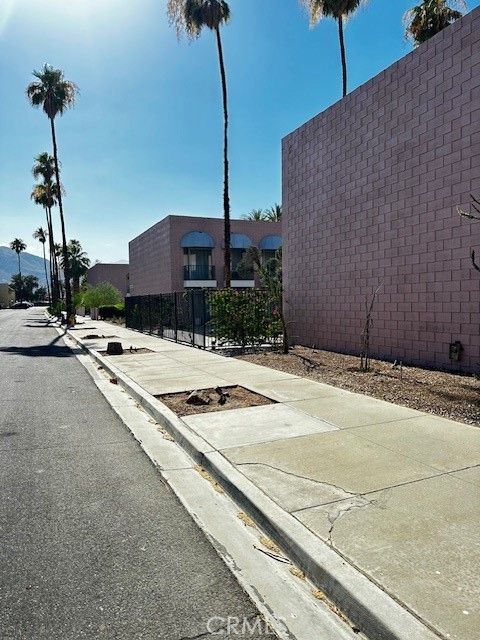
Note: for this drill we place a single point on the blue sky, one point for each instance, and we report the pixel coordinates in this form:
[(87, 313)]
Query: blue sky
[(144, 139)]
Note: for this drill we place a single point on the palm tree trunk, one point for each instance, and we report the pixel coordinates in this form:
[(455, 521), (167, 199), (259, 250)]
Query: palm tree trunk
[(46, 274), (20, 277), (51, 294), (50, 247), (226, 193), (53, 260), (343, 54), (57, 271), (66, 265)]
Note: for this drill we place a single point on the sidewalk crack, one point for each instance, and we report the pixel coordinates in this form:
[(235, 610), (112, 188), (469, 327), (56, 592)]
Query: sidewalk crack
[(345, 494), (338, 506), (338, 511)]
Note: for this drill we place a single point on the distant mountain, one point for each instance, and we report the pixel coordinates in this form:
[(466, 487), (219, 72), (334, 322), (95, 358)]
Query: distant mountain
[(31, 265)]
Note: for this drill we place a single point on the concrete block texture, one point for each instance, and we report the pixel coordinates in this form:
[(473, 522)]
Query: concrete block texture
[(370, 194), (114, 273)]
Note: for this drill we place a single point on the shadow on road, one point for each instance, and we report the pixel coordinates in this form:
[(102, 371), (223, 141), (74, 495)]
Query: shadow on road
[(38, 325), (41, 350)]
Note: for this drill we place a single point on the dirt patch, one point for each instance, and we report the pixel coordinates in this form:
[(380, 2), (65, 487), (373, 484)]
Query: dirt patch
[(132, 351), (444, 394), (238, 398), (95, 336)]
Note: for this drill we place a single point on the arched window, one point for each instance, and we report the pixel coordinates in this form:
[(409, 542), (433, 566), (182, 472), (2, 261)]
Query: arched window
[(239, 243), (197, 239), (197, 256), (270, 243)]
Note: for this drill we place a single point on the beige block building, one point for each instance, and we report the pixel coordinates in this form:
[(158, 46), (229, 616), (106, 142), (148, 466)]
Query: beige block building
[(7, 295)]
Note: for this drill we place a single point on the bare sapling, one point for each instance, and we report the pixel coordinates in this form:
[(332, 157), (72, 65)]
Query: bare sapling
[(475, 204), (365, 351)]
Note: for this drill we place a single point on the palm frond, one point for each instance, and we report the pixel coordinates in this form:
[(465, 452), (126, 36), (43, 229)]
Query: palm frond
[(255, 215), (319, 9), (274, 214), (191, 16), (430, 17), (51, 91), (18, 245), (40, 234), (44, 166), (45, 195)]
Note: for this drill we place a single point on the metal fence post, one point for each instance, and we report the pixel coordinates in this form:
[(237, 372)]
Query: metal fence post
[(149, 314), (160, 306), (204, 299), (192, 294), (175, 316)]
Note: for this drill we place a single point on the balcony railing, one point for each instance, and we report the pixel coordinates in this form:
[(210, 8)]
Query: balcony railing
[(199, 272)]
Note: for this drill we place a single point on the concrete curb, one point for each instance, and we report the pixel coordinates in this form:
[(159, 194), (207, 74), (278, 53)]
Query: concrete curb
[(371, 609)]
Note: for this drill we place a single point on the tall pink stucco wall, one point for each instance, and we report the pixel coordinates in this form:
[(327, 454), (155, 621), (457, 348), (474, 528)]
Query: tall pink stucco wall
[(370, 190)]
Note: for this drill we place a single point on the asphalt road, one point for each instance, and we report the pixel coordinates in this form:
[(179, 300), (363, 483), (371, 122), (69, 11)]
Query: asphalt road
[(92, 543)]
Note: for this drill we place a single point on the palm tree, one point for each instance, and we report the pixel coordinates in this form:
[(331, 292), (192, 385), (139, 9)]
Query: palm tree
[(44, 169), (256, 215), (18, 246), (192, 16), (79, 263), (54, 94), (46, 192), (45, 195), (339, 10), (430, 17), (42, 196), (41, 235), (274, 214)]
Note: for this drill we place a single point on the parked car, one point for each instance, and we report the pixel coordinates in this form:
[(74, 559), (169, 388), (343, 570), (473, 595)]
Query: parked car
[(21, 305)]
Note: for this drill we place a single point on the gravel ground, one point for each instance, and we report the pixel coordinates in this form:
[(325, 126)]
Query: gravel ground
[(444, 394)]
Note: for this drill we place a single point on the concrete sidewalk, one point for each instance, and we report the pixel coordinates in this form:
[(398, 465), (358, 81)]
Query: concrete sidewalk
[(393, 491)]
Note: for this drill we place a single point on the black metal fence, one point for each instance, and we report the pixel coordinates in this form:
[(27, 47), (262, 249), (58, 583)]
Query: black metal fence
[(189, 317)]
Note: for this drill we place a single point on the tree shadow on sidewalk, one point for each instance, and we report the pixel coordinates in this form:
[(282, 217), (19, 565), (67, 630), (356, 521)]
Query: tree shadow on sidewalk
[(50, 350)]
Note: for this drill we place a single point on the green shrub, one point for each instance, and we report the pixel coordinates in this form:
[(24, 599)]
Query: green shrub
[(244, 317), (101, 295), (107, 312), (56, 309), (78, 299)]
